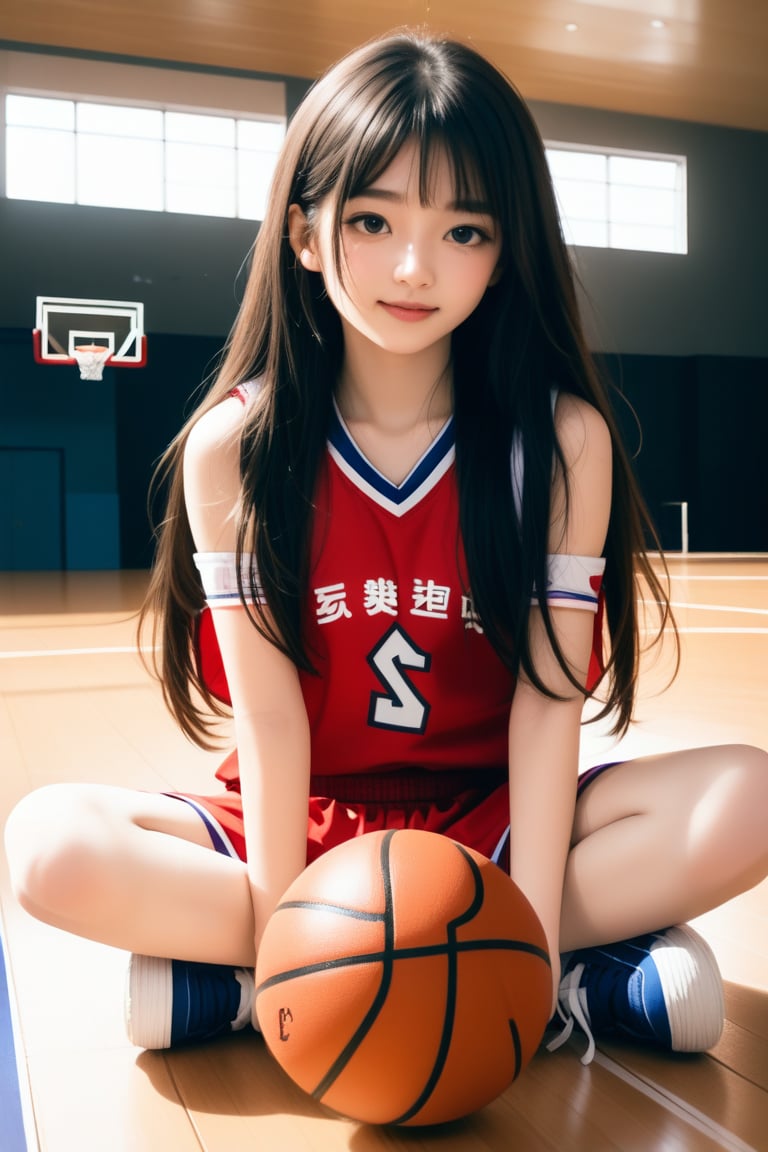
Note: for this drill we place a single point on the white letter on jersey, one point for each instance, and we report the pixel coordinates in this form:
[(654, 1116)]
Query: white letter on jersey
[(400, 707)]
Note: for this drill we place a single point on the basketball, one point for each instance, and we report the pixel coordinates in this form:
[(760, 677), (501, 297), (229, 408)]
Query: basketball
[(403, 979)]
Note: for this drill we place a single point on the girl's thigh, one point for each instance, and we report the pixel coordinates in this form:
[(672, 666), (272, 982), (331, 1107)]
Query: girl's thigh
[(60, 812), (706, 796)]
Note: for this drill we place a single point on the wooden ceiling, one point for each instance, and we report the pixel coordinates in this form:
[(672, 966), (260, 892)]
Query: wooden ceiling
[(704, 60)]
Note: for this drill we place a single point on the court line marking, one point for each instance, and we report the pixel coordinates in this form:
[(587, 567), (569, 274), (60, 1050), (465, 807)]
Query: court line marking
[(722, 579), (683, 631), (17, 1124), (718, 608), (42, 653), (676, 1105), (28, 653)]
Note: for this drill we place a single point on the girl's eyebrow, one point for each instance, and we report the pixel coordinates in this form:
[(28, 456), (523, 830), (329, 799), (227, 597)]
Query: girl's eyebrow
[(474, 207)]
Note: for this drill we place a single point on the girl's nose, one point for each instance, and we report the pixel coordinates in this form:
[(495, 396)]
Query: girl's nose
[(413, 267)]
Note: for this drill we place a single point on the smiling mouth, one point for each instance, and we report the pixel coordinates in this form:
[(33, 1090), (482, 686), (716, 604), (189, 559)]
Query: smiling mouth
[(408, 311)]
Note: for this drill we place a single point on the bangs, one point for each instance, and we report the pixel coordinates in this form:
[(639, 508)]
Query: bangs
[(441, 126), (438, 139), (435, 143)]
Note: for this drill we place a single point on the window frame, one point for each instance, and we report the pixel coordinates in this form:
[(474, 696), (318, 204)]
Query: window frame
[(208, 93), (679, 225)]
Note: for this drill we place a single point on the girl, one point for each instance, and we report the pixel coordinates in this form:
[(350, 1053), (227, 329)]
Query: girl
[(386, 532)]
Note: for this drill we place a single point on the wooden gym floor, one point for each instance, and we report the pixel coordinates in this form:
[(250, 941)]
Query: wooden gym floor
[(76, 704)]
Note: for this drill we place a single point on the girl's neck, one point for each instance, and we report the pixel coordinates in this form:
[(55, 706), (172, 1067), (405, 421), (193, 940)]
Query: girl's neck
[(393, 392), (395, 406)]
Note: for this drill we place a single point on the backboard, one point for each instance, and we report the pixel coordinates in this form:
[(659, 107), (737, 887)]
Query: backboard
[(91, 333)]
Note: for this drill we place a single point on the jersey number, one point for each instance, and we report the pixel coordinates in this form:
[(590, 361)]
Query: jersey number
[(400, 707)]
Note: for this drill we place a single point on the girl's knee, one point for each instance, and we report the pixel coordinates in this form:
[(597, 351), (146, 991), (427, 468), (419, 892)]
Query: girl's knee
[(744, 801), (49, 847), (734, 787), (749, 766)]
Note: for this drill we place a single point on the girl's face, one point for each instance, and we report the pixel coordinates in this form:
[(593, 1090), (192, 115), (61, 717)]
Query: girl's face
[(412, 272)]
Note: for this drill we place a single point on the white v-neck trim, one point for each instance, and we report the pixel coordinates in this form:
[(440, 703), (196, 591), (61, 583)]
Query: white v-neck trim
[(396, 498)]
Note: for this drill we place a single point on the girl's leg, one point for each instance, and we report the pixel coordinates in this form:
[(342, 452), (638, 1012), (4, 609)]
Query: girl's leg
[(130, 869), (655, 843), (660, 840)]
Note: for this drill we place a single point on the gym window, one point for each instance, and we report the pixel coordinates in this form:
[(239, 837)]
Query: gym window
[(150, 158), (617, 199)]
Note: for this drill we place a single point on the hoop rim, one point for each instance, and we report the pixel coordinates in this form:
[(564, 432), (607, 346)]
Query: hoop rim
[(91, 350), (50, 362)]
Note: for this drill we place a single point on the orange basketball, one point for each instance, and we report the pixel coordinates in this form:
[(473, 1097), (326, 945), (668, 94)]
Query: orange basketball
[(403, 979)]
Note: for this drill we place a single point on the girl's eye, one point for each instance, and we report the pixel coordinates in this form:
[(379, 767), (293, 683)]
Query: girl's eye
[(466, 236), (370, 224)]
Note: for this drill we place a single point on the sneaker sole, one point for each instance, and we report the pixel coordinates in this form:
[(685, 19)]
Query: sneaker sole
[(148, 1001), (693, 990)]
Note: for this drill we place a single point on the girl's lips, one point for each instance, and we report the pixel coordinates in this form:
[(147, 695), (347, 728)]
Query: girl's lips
[(411, 313)]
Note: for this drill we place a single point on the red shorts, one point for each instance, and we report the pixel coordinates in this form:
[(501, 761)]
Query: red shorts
[(471, 807)]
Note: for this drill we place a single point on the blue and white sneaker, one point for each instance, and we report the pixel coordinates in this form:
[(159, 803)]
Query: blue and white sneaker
[(170, 1002), (664, 988)]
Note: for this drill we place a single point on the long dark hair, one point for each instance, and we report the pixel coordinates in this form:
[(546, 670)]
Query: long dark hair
[(523, 340)]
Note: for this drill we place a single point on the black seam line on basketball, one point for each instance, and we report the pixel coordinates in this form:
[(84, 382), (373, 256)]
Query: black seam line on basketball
[(451, 986), (339, 909), (416, 952), (369, 1019), (517, 1046)]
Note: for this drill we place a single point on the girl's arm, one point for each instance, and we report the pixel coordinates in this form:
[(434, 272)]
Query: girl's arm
[(544, 733), (270, 719)]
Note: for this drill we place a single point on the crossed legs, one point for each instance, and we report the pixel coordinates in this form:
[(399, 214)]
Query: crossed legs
[(655, 842)]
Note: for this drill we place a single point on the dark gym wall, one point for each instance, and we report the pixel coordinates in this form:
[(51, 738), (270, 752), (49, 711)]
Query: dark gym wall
[(44, 410), (696, 426), (710, 302), (686, 334)]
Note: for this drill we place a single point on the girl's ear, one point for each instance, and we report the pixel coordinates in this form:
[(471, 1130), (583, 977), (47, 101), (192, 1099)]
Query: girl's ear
[(300, 239)]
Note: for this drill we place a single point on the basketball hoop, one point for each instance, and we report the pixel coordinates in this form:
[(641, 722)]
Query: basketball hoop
[(91, 359), (93, 334)]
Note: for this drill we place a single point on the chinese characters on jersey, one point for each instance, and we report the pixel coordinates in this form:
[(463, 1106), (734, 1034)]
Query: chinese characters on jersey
[(382, 597)]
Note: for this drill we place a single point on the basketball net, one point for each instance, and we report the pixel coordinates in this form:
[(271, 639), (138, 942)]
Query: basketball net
[(91, 359)]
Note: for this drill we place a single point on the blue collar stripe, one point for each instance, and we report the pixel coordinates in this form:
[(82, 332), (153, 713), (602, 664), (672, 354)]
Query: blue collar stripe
[(345, 446)]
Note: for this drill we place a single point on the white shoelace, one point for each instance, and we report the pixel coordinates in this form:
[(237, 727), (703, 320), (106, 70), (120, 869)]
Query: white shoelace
[(244, 977), (571, 1009)]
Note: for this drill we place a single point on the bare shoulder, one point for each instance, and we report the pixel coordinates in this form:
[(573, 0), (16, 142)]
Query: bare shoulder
[(580, 521), (212, 475), (581, 431), (216, 432)]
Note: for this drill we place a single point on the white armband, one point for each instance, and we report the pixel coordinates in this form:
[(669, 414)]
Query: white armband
[(218, 576), (573, 581)]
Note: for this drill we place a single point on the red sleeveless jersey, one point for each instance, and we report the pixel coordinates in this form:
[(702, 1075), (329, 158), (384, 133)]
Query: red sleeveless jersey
[(406, 678)]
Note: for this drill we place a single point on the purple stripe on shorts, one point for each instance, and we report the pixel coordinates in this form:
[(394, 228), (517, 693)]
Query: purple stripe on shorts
[(217, 840)]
